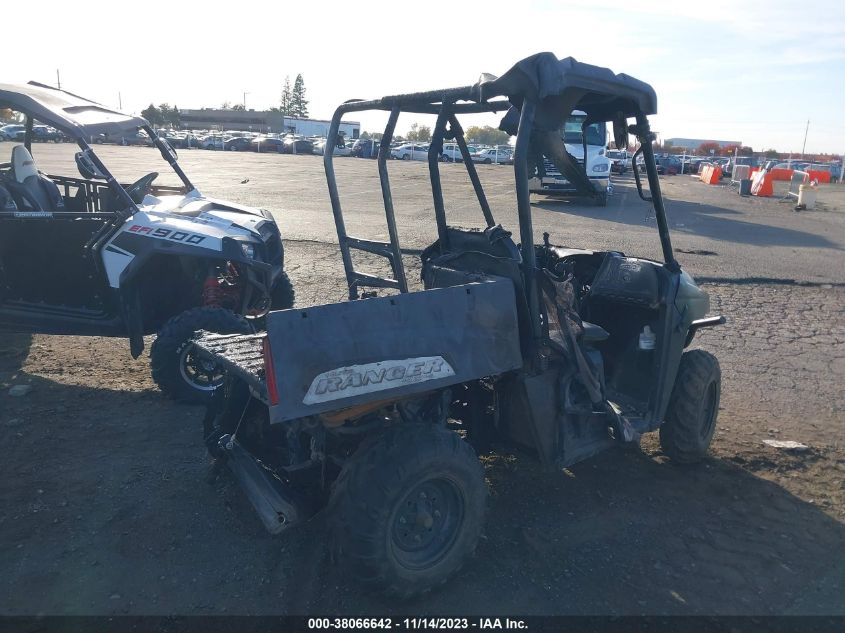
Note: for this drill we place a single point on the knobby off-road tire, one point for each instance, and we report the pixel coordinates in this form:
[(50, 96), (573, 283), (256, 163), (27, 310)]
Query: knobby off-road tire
[(282, 295), (693, 408), (408, 508), (175, 370)]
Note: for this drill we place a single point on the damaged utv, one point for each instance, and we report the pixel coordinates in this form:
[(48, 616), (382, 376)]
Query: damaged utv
[(89, 256), (565, 351)]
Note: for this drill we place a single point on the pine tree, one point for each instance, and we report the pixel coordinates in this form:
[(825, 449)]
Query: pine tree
[(287, 99), (299, 105)]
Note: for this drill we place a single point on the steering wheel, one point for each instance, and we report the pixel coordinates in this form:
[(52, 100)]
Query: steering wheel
[(141, 187)]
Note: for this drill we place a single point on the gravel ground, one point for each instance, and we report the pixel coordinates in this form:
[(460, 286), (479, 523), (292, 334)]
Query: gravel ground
[(104, 508)]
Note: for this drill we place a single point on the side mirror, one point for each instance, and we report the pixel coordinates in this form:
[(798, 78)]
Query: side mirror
[(620, 132), (87, 168)]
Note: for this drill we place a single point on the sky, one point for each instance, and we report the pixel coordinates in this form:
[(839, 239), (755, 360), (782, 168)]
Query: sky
[(751, 71)]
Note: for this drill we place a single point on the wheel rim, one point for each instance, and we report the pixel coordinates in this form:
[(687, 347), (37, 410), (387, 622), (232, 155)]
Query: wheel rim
[(426, 523), (199, 373), (709, 411)]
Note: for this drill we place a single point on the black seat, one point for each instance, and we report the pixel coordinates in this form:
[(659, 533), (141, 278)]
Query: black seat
[(31, 190)]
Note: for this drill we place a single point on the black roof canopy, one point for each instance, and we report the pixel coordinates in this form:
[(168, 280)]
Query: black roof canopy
[(559, 86), (74, 115)]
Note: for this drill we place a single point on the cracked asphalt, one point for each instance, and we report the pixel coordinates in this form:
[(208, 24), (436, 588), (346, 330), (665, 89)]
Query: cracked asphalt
[(104, 508)]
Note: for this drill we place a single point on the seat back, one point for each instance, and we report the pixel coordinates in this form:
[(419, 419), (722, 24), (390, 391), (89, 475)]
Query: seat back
[(474, 255), (31, 190)]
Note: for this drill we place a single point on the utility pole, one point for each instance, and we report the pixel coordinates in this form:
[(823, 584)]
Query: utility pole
[(58, 80), (245, 94), (119, 102), (804, 146)]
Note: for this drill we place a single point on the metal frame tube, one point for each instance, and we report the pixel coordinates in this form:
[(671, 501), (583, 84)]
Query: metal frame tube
[(165, 154), (458, 132), (331, 182), (646, 138), (526, 229), (383, 153), (434, 174)]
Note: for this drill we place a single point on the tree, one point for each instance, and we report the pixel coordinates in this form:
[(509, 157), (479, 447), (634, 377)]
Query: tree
[(299, 104), (771, 153), (709, 148), (175, 117), (286, 102), (487, 135), (238, 106), (746, 151), (153, 115), (421, 133)]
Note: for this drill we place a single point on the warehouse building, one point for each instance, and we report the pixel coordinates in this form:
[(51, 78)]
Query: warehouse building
[(262, 121), (695, 143)]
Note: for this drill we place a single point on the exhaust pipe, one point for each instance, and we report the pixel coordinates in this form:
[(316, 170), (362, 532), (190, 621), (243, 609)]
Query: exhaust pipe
[(265, 492)]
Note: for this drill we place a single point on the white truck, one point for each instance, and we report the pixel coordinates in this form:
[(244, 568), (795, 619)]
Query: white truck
[(548, 179)]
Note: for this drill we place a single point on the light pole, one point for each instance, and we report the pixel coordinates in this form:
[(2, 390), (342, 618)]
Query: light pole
[(804, 146), (245, 94)]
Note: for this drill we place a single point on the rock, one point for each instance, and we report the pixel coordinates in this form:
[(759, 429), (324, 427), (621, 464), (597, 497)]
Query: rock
[(786, 444), (20, 390)]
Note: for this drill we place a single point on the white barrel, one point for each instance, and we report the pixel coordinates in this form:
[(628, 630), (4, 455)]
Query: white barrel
[(807, 196)]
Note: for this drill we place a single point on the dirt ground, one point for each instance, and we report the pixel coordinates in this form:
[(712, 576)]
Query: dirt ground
[(104, 508)]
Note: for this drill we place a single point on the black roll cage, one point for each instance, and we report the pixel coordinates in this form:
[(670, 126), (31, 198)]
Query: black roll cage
[(447, 105)]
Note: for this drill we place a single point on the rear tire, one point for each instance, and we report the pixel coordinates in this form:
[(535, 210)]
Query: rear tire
[(600, 200), (693, 408), (408, 508), (175, 370)]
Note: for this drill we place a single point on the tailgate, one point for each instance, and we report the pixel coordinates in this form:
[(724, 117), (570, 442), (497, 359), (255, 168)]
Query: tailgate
[(339, 355)]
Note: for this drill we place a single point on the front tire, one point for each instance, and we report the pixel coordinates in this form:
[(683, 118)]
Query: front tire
[(690, 423), (282, 295), (408, 508), (175, 369)]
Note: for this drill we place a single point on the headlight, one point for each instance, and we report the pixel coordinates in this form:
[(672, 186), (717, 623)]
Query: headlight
[(248, 250), (601, 167)]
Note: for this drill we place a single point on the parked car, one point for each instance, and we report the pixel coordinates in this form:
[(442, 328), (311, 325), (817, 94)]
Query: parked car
[(452, 154), (12, 132), (45, 134), (410, 151), (493, 155), (297, 146), (339, 150), (238, 144), (267, 144), (183, 141), (365, 148), (620, 162), (213, 142), (123, 138), (669, 165)]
